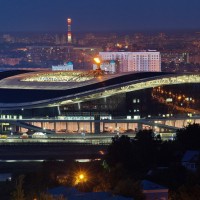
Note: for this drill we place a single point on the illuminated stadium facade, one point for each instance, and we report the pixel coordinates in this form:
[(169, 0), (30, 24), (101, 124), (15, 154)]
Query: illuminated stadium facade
[(52, 94)]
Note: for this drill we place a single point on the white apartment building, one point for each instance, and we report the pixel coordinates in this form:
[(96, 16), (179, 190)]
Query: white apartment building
[(134, 61)]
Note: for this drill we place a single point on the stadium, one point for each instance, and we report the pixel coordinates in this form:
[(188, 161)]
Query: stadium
[(92, 95), (23, 89)]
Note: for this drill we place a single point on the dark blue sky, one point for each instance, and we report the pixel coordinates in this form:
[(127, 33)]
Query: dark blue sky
[(96, 15)]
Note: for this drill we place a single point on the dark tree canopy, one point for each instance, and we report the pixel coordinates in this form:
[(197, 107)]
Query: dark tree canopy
[(189, 137), (146, 136), (138, 153)]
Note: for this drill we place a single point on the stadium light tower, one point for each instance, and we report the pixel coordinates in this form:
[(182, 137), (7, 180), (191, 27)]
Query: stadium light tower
[(69, 31)]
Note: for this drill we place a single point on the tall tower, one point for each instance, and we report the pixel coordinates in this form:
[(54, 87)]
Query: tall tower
[(69, 31)]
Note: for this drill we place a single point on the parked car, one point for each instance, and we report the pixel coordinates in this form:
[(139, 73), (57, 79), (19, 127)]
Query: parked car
[(39, 135)]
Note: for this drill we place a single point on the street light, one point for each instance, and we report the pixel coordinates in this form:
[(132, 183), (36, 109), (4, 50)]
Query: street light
[(80, 177)]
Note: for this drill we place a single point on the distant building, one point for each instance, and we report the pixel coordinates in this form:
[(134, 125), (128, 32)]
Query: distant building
[(175, 57), (8, 38), (134, 61), (194, 58), (10, 61), (60, 40), (65, 67), (190, 160), (154, 191)]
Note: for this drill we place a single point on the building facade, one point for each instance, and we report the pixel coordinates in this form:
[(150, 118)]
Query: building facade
[(134, 61), (65, 67)]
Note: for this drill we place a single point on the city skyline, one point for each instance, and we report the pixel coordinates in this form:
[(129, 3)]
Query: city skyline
[(89, 15)]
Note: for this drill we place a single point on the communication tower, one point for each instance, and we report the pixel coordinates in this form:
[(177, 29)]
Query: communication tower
[(69, 31)]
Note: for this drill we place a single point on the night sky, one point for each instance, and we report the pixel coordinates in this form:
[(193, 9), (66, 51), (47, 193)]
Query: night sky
[(99, 15)]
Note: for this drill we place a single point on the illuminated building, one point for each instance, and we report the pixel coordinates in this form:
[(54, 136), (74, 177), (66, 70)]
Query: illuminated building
[(51, 89), (65, 67), (78, 95), (176, 57), (135, 61)]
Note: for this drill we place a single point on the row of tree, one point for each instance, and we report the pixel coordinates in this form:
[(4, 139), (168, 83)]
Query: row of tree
[(127, 162)]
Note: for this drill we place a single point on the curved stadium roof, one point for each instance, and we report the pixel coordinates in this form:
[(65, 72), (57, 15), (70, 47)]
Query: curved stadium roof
[(20, 89)]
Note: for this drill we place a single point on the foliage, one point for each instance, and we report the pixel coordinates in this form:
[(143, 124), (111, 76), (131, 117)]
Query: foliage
[(137, 154), (120, 151), (44, 196), (189, 137), (18, 194), (129, 188), (145, 136), (126, 162), (186, 193)]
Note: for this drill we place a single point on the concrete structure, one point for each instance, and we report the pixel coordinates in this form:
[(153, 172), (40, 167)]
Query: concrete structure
[(166, 127), (135, 61)]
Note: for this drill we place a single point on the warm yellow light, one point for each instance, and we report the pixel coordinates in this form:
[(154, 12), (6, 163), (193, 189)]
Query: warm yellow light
[(81, 176), (119, 45), (97, 60)]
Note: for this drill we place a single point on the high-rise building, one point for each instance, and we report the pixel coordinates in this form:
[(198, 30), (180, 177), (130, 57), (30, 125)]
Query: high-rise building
[(134, 61)]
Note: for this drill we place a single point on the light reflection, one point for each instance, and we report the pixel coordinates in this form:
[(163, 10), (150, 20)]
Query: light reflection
[(14, 161)]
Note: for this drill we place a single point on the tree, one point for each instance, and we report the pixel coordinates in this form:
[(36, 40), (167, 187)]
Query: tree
[(18, 194), (119, 151), (186, 193), (189, 137), (145, 136), (129, 188), (147, 148), (44, 196), (138, 154)]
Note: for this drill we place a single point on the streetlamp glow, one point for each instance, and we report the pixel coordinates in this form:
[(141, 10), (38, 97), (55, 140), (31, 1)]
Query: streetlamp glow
[(97, 60), (80, 177)]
